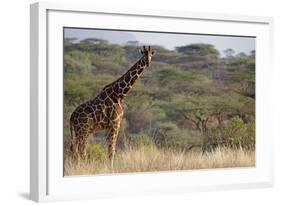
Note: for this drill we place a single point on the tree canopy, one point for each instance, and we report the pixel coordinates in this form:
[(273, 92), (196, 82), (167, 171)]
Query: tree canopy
[(198, 49)]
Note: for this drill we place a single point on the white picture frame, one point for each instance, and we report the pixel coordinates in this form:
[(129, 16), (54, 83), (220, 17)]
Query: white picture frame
[(47, 182)]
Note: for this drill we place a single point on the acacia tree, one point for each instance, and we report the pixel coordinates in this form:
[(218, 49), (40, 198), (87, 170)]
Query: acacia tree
[(200, 110), (198, 49), (229, 52)]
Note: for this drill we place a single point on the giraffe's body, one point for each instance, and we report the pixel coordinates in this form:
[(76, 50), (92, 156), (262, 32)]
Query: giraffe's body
[(105, 111)]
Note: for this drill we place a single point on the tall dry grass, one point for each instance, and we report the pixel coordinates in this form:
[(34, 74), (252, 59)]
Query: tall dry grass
[(151, 158)]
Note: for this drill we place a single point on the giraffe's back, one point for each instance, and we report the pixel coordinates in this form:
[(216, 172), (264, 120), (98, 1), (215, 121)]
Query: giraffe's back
[(94, 115)]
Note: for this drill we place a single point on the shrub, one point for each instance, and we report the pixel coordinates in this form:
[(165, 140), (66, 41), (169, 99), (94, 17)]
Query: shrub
[(240, 134), (96, 152), (169, 135), (137, 140), (234, 134)]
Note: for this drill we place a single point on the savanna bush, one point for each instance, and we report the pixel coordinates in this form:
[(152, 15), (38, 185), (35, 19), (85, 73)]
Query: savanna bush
[(141, 139), (234, 134), (96, 152), (169, 135)]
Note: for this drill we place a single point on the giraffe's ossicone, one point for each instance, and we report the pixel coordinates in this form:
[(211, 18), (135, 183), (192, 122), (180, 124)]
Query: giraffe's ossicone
[(105, 111)]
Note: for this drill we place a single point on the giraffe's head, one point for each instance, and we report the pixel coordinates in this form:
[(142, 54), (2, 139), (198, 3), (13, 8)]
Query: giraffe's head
[(147, 52)]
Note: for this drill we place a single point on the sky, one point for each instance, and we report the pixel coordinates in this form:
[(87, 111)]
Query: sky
[(167, 40)]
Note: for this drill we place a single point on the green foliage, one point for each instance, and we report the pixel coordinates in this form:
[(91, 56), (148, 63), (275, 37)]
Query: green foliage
[(169, 135), (168, 126), (96, 152), (234, 134), (141, 139), (198, 49), (76, 62), (229, 52), (159, 113), (132, 52), (175, 77), (240, 134)]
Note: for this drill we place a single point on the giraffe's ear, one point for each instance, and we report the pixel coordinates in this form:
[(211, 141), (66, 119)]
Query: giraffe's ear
[(141, 51), (153, 53)]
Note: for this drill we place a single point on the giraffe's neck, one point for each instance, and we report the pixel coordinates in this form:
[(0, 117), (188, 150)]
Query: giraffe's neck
[(126, 81)]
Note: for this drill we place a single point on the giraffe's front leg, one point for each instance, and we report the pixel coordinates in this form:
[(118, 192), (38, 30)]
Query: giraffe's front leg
[(112, 138)]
